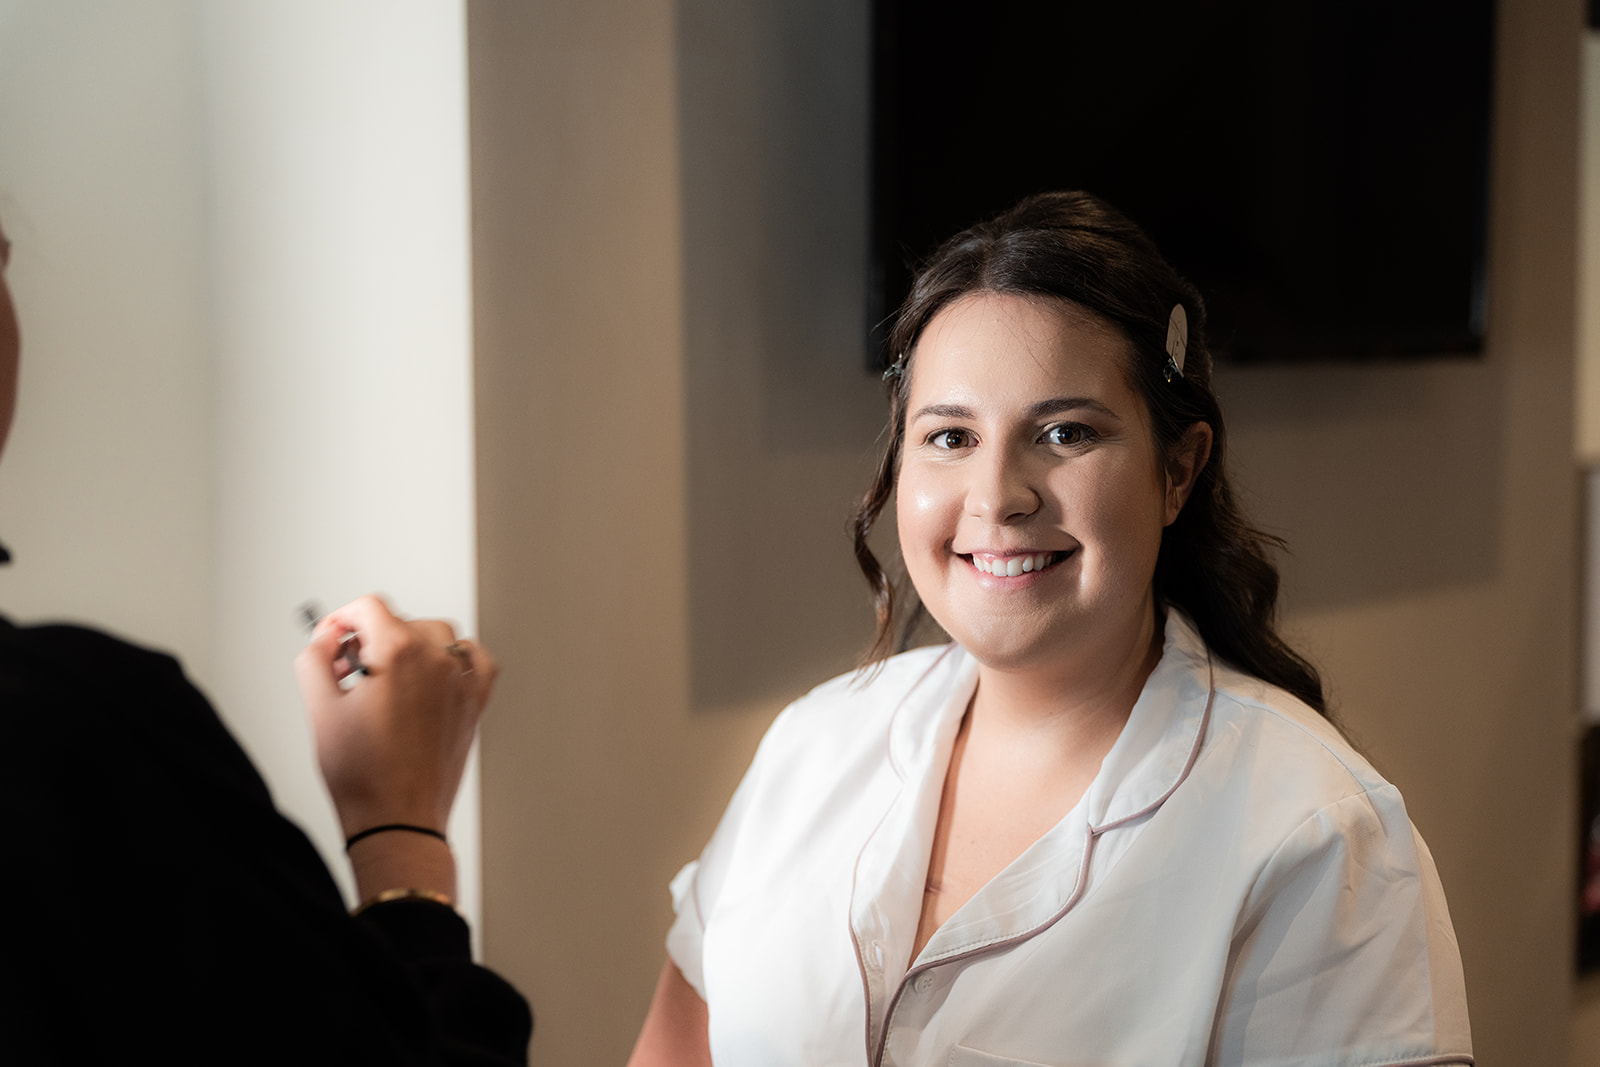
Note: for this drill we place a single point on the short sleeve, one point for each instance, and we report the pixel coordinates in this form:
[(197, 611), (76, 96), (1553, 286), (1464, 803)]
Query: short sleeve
[(1345, 954), (696, 887), (687, 934)]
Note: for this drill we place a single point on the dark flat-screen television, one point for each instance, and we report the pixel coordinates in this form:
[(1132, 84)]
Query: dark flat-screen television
[(1318, 168)]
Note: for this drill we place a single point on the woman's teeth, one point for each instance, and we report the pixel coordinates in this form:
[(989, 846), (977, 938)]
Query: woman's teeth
[(1015, 565)]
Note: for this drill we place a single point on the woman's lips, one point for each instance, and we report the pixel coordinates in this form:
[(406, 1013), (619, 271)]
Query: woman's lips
[(1013, 565)]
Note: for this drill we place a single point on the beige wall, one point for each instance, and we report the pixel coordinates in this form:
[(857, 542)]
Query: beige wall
[(1586, 1018), (647, 249), (105, 494), (1588, 389), (598, 780), (604, 774)]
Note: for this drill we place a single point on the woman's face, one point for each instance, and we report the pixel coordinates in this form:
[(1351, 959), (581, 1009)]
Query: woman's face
[(1032, 495)]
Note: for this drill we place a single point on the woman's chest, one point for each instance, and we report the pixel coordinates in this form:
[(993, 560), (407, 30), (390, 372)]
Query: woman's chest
[(811, 966), (1117, 979), (988, 816)]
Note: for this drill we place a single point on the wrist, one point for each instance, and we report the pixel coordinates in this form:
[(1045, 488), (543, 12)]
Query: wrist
[(395, 896), (400, 860), (396, 828), (357, 816)]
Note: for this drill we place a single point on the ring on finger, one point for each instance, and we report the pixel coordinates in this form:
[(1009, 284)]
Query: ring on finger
[(462, 653)]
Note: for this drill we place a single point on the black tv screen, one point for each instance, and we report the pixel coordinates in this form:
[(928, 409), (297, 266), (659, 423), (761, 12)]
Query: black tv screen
[(1318, 169)]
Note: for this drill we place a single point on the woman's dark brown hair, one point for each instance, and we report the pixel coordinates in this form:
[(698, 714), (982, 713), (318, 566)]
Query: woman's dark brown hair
[(1213, 565)]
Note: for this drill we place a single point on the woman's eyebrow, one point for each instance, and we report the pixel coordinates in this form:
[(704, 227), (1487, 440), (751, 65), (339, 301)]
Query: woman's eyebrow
[(942, 411), (1058, 404), (1040, 409)]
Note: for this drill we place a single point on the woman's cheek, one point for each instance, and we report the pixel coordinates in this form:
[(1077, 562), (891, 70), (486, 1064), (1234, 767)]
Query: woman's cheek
[(921, 512), (925, 501)]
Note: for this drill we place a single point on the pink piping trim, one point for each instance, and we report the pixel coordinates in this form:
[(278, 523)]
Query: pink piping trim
[(1078, 891), (855, 872)]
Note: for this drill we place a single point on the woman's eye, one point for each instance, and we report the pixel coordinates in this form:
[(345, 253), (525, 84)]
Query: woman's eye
[(951, 439), (1068, 433)]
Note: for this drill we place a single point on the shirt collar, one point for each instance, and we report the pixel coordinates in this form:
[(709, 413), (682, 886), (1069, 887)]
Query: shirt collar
[(1151, 756), (1162, 737), (939, 697)]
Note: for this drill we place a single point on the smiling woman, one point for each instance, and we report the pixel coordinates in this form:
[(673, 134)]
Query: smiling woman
[(1109, 823), (995, 481), (1090, 261)]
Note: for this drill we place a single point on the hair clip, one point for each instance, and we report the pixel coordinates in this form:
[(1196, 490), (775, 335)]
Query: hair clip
[(897, 369), (1177, 342)]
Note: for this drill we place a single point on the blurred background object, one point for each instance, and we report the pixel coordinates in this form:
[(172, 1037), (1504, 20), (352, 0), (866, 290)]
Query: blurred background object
[(1320, 171)]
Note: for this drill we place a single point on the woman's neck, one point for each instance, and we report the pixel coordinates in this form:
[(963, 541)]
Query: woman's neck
[(1076, 704)]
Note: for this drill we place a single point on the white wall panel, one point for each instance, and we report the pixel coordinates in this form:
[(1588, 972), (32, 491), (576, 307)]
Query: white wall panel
[(340, 300)]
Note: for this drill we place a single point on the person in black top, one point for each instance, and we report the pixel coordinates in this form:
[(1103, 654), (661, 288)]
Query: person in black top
[(155, 902)]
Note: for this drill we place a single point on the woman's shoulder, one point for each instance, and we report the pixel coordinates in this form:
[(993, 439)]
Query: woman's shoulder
[(879, 689), (890, 679), (1300, 800), (901, 697), (130, 707), (1250, 725), (1300, 754), (826, 767), (1334, 878), (62, 661)]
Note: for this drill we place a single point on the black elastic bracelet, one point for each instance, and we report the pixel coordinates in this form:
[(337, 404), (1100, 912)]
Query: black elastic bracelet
[(353, 838)]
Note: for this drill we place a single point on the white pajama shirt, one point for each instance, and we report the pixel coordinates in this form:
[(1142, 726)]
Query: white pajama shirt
[(1237, 886)]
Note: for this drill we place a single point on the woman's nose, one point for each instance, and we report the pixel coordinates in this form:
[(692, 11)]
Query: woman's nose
[(1002, 491)]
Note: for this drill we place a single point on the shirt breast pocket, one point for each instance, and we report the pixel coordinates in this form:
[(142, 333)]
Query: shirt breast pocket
[(961, 1056)]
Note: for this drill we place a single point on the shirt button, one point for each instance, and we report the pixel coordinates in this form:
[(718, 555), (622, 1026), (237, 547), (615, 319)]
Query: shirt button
[(924, 982)]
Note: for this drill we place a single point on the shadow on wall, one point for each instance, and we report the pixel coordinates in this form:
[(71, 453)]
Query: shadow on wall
[(782, 421), (1349, 460), (1385, 479)]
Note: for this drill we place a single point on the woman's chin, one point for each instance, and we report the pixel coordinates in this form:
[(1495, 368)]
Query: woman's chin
[(1006, 646), (1053, 642)]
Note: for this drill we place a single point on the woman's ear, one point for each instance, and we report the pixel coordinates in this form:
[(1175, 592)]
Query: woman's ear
[(1184, 463)]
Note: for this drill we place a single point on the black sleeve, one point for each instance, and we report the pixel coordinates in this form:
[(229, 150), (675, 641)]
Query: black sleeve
[(156, 900), (478, 1017)]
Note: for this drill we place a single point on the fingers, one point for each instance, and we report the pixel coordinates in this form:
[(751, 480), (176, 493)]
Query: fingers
[(392, 748), (484, 666), (314, 666), (435, 633), (478, 668), (385, 638), (369, 617)]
